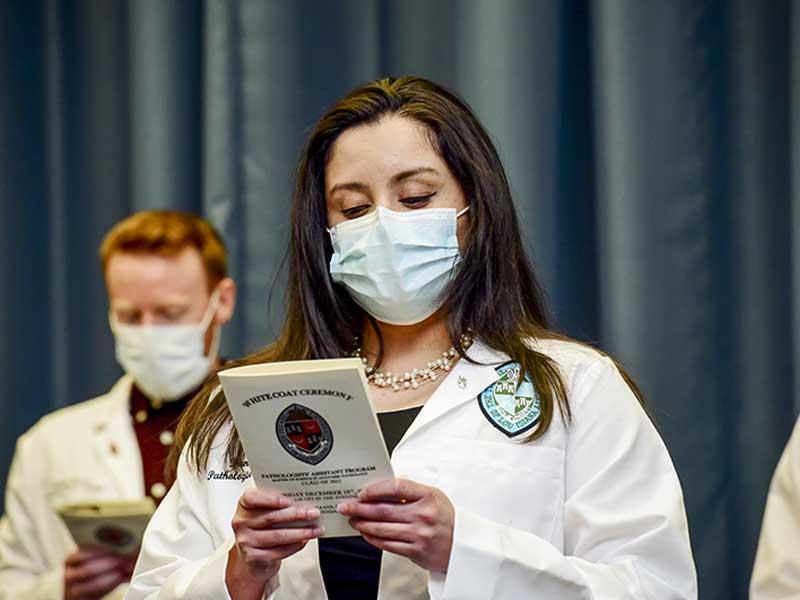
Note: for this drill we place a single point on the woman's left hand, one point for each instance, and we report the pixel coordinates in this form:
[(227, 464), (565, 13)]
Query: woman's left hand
[(406, 518)]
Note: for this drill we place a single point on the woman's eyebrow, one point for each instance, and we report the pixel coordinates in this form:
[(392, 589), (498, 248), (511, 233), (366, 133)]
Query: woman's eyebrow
[(403, 175), (353, 186)]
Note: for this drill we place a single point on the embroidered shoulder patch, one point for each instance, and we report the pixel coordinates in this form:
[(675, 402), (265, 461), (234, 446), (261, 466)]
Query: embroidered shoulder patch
[(511, 408)]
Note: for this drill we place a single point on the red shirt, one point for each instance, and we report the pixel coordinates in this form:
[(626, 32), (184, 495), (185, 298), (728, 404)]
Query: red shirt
[(154, 424)]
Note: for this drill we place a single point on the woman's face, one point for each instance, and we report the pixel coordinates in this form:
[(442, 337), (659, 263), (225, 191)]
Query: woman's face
[(392, 164)]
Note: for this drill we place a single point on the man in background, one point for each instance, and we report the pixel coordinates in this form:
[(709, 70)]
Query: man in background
[(169, 295)]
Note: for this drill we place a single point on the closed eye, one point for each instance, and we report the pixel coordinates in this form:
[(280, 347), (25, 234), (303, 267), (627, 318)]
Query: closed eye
[(417, 201), (127, 317), (355, 211), (171, 314)]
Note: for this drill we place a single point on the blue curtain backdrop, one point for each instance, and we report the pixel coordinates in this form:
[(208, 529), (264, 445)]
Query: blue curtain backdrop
[(653, 147)]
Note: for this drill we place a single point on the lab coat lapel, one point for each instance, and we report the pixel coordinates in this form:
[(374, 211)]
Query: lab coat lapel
[(400, 578), (115, 444), (464, 382)]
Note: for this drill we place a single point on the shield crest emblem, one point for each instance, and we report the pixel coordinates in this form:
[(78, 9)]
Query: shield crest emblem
[(304, 434), (511, 406)]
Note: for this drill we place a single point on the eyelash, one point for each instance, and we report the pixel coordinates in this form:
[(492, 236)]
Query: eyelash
[(417, 199), (411, 201)]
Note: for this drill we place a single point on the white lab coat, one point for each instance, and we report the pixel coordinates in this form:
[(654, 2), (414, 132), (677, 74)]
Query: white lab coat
[(592, 510), (776, 573), (80, 453)]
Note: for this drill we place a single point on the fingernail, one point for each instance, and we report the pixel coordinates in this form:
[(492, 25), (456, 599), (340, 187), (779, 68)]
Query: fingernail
[(318, 531), (283, 502), (312, 513), (341, 508)]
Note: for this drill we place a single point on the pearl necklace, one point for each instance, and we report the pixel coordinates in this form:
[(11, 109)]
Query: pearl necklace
[(417, 377)]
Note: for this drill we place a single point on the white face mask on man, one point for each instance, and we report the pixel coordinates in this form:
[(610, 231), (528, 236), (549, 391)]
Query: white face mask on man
[(167, 361), (396, 264)]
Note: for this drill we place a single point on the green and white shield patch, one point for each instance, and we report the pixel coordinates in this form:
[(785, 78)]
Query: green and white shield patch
[(511, 408)]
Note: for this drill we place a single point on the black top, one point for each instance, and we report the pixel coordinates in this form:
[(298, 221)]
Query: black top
[(395, 424), (351, 566)]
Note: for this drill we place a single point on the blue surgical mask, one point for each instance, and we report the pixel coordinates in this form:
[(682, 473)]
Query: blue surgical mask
[(395, 265)]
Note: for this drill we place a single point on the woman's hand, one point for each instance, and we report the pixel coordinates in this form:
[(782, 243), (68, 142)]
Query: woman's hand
[(406, 518), (263, 539)]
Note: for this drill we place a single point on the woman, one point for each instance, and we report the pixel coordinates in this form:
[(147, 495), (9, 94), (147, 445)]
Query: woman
[(527, 467)]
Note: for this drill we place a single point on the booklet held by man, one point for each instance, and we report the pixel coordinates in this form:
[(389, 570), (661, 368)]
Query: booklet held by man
[(309, 431), (114, 525)]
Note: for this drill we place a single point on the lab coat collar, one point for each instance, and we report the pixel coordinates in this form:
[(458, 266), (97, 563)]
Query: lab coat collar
[(463, 383), (115, 442)]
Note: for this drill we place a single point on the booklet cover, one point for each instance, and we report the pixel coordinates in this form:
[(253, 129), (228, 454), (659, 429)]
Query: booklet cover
[(309, 430), (114, 525)]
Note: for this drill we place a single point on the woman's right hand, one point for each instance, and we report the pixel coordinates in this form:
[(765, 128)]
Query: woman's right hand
[(263, 540)]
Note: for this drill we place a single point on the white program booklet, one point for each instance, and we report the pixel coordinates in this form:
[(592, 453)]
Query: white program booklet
[(309, 431), (114, 525)]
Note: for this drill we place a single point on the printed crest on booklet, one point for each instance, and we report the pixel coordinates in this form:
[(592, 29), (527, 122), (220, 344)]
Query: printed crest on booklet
[(304, 434)]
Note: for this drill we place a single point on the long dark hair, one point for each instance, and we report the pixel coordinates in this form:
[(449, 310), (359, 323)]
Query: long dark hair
[(493, 296)]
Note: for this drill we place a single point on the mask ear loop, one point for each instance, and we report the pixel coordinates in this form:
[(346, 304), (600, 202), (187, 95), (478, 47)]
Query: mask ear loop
[(213, 305), (208, 317), (462, 211)]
